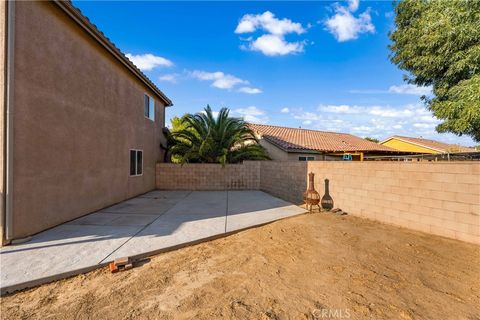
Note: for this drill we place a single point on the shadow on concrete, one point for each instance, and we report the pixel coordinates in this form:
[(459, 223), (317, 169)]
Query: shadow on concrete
[(151, 223), (166, 218)]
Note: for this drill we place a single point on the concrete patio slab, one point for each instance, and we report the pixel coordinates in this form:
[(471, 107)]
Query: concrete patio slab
[(114, 219), (251, 208), (165, 194), (145, 206), (200, 215), (148, 224), (59, 252)]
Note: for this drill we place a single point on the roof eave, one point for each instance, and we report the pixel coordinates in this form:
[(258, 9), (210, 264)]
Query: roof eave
[(81, 20), (416, 144)]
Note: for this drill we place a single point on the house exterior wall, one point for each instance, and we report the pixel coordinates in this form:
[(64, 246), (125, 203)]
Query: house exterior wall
[(293, 156), (273, 151), (78, 111), (408, 147), (278, 154)]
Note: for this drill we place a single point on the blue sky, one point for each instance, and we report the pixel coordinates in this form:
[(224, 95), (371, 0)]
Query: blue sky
[(317, 65)]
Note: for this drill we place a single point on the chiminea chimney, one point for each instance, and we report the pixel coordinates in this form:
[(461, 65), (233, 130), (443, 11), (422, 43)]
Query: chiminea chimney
[(311, 196)]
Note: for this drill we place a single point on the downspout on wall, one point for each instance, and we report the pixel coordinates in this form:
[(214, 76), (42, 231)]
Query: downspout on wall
[(9, 113)]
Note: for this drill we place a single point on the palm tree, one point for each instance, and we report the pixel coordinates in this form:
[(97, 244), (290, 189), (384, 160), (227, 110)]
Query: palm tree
[(202, 138)]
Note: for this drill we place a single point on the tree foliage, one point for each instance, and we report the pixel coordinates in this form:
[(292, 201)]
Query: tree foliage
[(438, 43), (372, 139), (177, 125), (203, 138)]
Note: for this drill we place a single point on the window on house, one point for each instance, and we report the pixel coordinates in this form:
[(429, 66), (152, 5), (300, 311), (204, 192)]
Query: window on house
[(136, 162), (149, 107), (306, 158)]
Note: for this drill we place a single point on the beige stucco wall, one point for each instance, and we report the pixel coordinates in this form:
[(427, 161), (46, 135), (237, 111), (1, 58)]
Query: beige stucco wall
[(294, 156), (273, 151), (278, 154), (78, 111)]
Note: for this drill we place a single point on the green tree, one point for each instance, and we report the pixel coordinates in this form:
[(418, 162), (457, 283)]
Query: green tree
[(372, 139), (203, 138), (438, 43), (177, 125)]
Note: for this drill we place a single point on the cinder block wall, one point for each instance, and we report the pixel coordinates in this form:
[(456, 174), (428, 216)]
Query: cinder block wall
[(284, 179), (437, 198), (208, 176)]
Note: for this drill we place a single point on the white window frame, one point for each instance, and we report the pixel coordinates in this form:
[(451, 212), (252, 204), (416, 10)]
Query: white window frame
[(151, 107), (136, 163)]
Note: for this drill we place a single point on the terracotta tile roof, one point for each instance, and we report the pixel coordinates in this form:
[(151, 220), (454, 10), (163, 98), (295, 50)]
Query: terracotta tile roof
[(293, 139), (436, 145)]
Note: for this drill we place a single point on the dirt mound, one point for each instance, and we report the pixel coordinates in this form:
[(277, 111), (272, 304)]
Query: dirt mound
[(312, 266)]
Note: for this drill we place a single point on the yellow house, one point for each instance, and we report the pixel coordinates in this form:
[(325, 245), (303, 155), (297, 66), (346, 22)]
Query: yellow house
[(420, 145)]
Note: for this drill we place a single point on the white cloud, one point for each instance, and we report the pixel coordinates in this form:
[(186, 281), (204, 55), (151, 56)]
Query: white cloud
[(353, 5), (148, 61), (172, 77), (400, 89), (363, 129), (252, 114), (410, 89), (307, 116), (219, 79), (273, 45), (269, 23), (345, 26), (249, 90), (273, 42), (285, 110), (424, 125), (408, 111), (388, 112), (222, 80), (375, 121), (340, 109)]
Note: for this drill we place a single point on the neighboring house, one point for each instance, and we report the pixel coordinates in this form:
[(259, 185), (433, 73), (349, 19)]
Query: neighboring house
[(420, 145), (292, 144), (81, 125)]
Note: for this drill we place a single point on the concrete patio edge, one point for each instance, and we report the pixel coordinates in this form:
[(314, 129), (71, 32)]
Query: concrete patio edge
[(48, 279)]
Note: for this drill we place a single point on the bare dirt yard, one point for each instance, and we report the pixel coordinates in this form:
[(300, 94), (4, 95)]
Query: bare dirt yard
[(314, 266)]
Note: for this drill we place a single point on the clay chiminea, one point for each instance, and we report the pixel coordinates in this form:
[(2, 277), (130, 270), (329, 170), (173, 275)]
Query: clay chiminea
[(311, 196), (327, 201)]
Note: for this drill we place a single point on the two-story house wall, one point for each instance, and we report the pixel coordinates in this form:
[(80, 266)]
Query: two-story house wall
[(81, 126)]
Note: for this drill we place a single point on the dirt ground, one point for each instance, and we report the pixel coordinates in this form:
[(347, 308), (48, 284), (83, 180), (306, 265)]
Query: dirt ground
[(316, 266)]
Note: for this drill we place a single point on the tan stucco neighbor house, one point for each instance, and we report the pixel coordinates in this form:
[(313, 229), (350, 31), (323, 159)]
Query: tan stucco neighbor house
[(296, 144), (81, 126)]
